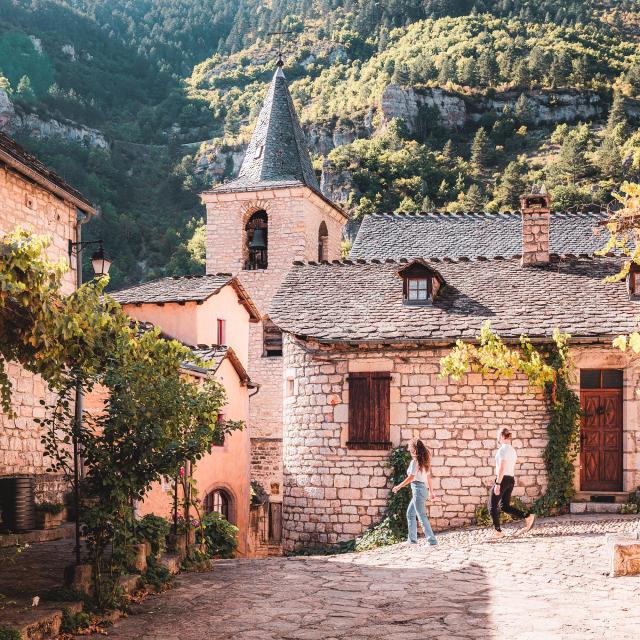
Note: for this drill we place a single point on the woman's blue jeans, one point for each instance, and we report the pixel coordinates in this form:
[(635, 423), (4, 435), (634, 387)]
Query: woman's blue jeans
[(417, 508)]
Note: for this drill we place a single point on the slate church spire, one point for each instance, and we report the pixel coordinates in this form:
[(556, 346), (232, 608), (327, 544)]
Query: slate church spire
[(277, 155)]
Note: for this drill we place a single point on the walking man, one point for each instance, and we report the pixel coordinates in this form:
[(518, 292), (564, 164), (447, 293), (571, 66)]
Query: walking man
[(500, 495)]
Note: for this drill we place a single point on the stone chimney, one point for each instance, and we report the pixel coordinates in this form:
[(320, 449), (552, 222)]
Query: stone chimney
[(536, 219)]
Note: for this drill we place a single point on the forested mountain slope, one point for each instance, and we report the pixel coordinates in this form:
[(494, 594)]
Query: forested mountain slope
[(444, 104)]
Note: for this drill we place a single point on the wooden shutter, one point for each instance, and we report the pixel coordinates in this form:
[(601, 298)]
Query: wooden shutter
[(369, 406)]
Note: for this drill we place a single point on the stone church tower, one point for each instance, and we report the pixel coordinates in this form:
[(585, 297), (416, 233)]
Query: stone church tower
[(257, 224)]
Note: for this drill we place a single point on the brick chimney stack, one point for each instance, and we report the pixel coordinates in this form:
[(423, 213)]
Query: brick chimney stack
[(536, 220)]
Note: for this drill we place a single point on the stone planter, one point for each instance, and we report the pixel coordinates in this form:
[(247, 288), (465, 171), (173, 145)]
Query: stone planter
[(79, 577), (46, 520), (177, 543), (139, 562)]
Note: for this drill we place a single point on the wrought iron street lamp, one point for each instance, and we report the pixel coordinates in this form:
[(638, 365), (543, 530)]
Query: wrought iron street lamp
[(101, 265)]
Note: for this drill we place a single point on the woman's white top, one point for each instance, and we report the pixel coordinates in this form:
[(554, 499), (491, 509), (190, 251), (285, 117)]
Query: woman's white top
[(419, 475), (507, 453)]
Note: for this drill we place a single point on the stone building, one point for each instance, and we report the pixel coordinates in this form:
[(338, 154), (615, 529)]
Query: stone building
[(35, 198), (257, 224), (364, 338)]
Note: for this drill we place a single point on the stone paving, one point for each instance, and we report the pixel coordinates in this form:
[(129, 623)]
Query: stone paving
[(550, 584)]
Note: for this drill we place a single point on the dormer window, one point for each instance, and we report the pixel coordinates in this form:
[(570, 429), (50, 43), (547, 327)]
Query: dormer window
[(633, 281), (421, 283)]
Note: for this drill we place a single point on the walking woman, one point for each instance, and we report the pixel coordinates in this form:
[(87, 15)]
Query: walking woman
[(419, 476), (500, 494)]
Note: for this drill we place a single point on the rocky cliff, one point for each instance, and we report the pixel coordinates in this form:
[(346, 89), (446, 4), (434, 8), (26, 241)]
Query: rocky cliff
[(547, 107), (15, 120)]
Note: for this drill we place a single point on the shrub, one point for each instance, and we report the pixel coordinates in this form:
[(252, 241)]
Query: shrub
[(218, 535), (632, 505), (483, 517), (9, 633), (73, 621), (50, 507), (156, 575), (154, 530)]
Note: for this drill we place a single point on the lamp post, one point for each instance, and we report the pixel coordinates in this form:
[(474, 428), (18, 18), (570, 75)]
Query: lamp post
[(101, 265)]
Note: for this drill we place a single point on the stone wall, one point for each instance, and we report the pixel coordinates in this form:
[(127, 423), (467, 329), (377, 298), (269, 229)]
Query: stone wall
[(266, 465), (294, 217), (23, 203), (332, 493)]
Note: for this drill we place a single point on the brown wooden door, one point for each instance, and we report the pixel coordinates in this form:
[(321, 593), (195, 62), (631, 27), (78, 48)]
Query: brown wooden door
[(601, 440)]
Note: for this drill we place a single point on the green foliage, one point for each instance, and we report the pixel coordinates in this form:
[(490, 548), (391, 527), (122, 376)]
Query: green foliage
[(154, 420), (154, 530), (219, 536), (483, 517), (72, 622), (632, 505), (50, 507), (9, 633), (393, 527), (156, 575)]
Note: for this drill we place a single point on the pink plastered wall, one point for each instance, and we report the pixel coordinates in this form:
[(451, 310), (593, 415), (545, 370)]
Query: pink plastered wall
[(226, 467), (194, 323)]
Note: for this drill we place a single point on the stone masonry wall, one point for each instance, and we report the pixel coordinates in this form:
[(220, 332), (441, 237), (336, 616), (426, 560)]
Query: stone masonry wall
[(23, 203), (294, 218), (332, 493)]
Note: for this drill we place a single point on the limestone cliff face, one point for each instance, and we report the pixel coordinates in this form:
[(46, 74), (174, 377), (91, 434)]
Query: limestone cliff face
[(547, 107), (14, 120)]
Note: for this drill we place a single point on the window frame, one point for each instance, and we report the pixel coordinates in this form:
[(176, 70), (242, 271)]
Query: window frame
[(221, 331)]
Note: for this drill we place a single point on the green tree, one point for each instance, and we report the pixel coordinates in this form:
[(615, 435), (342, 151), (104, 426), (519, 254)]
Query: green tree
[(609, 157), (467, 73), (481, 149), (617, 112), (512, 185), (447, 71), (572, 161), (473, 199), (488, 68), (523, 110)]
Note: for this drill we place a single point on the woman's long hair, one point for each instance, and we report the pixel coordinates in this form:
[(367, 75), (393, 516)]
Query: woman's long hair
[(421, 453)]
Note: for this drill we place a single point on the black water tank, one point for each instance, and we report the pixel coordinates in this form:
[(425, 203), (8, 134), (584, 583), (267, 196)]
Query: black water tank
[(17, 503)]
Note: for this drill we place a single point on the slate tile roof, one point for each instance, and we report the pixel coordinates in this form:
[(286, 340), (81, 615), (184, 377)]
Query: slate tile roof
[(27, 163), (277, 155), (362, 301), (470, 234), (174, 289)]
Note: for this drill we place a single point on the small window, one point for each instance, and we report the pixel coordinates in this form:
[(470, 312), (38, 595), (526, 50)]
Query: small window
[(259, 150), (418, 289), (369, 410), (323, 242), (601, 378), (634, 280), (217, 501), (221, 337), (272, 340), (290, 387), (218, 441)]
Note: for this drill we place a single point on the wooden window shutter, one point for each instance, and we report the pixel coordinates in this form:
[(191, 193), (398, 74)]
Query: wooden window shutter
[(369, 410)]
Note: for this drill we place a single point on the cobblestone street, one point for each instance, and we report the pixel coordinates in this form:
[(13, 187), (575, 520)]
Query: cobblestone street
[(551, 584)]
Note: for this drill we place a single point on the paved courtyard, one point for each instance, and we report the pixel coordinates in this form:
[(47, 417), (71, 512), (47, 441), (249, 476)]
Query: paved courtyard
[(551, 584)]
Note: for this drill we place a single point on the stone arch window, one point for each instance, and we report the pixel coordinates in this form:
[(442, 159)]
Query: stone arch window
[(323, 242), (257, 241), (219, 501)]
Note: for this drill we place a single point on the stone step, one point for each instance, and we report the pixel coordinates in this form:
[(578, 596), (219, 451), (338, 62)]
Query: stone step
[(588, 496), (64, 532), (594, 507), (38, 623)]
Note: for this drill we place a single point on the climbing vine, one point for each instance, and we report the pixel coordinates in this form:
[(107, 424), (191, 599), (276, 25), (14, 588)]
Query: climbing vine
[(550, 369)]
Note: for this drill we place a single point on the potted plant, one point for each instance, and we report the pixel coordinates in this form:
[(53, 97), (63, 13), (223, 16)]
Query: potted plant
[(49, 515)]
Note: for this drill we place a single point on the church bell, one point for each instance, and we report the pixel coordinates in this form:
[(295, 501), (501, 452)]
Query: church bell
[(258, 240)]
